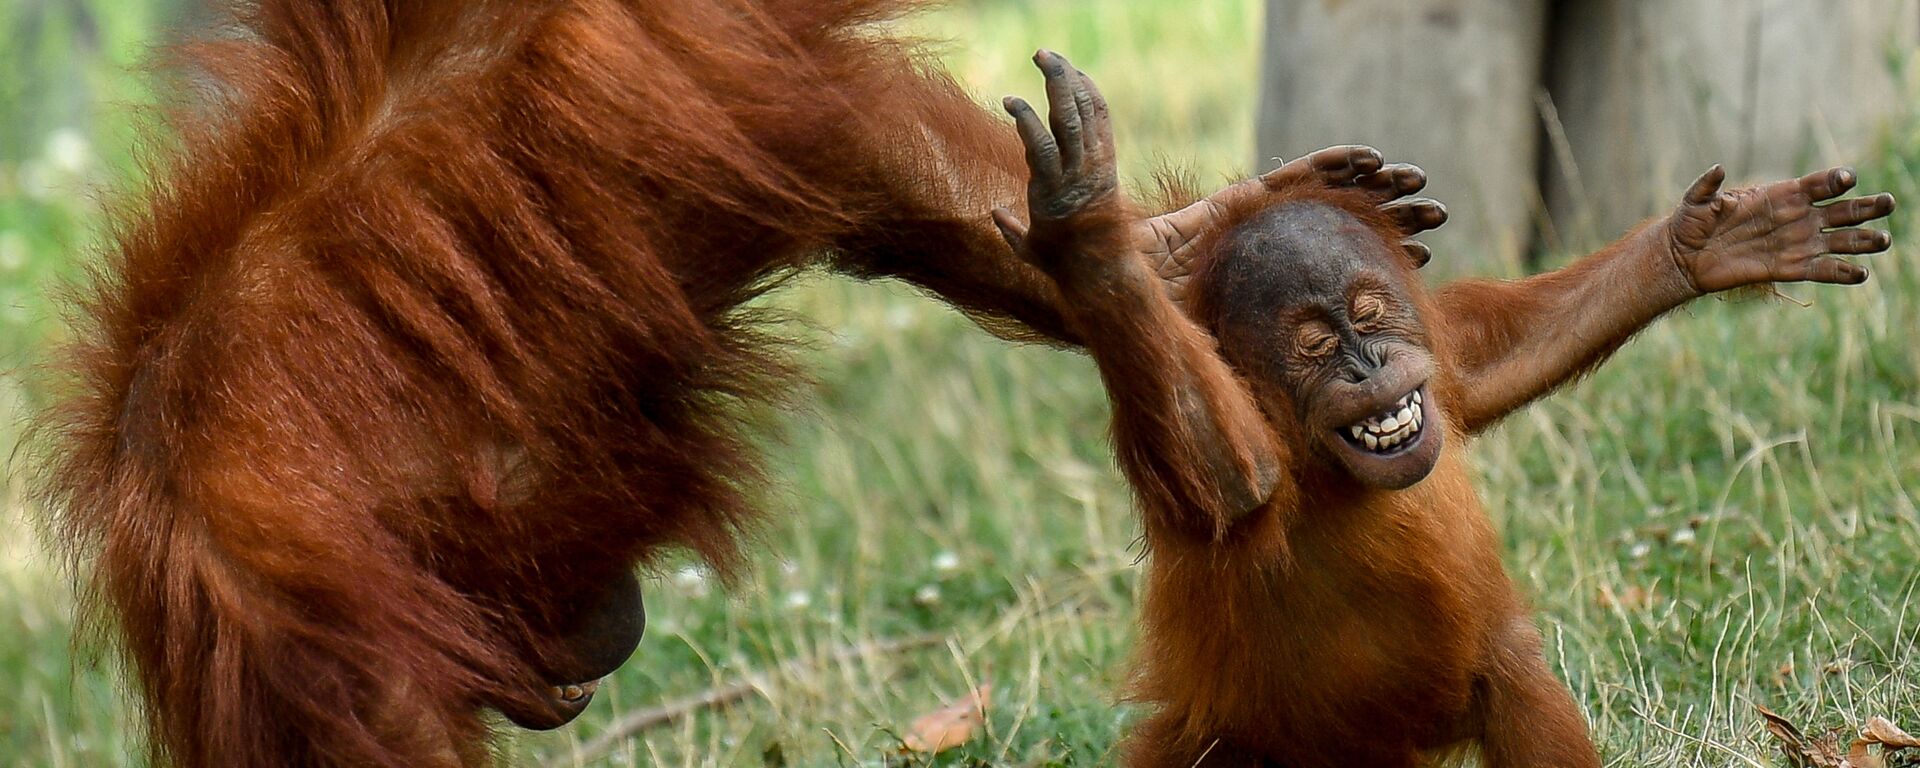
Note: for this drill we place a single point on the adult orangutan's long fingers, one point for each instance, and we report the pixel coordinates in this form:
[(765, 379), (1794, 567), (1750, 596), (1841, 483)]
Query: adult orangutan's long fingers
[(1831, 269), (1855, 211), (1394, 181), (1063, 107), (1707, 187), (1828, 184), (1043, 155), (1416, 214), (1012, 229), (1417, 252), (1856, 241), (1335, 165)]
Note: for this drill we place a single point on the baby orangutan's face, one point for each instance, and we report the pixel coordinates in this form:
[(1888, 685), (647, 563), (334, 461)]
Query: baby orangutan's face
[(1315, 304)]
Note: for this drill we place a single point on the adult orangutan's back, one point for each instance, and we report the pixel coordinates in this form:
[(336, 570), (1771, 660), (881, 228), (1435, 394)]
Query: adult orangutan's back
[(424, 334)]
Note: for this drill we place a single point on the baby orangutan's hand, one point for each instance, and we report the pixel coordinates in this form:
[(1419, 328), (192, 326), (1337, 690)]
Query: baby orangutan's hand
[(1080, 218), (1775, 232)]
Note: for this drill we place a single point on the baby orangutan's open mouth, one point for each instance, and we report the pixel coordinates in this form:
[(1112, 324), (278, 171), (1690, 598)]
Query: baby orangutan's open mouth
[(1391, 431), (1393, 447)]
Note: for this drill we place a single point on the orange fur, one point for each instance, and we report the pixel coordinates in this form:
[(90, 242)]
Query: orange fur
[(1334, 623), (1343, 623), (429, 321)]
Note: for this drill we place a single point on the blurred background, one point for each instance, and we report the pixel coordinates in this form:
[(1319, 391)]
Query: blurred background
[(1723, 518), (1557, 124)]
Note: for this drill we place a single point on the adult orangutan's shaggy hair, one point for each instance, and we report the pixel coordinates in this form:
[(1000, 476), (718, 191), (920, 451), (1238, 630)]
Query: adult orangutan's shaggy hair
[(428, 324)]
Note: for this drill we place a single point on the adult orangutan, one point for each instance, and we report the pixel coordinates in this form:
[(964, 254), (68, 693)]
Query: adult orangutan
[(1323, 588), (428, 329)]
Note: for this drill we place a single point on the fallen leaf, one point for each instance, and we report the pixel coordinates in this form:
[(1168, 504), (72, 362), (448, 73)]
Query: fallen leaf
[(949, 726), (1784, 731), (1883, 732), (1802, 751)]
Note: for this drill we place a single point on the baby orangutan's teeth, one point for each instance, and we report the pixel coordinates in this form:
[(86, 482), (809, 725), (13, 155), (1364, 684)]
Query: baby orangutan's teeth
[(1397, 427)]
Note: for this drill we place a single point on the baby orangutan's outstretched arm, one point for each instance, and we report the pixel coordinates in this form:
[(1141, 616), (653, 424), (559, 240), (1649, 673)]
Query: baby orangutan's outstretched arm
[(1514, 341), (945, 162), (1187, 432)]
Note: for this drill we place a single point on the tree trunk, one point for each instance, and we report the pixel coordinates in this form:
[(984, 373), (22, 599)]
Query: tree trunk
[(1445, 84), (1652, 92), (1571, 120)]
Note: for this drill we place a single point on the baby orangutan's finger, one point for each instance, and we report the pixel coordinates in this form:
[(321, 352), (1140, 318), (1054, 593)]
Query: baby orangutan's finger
[(1043, 155), (1090, 129), (1707, 187), (1838, 271), (1416, 214), (1097, 123), (1063, 106), (1857, 241), (1336, 166), (1417, 252), (1097, 104), (1394, 181), (1855, 211), (1828, 184)]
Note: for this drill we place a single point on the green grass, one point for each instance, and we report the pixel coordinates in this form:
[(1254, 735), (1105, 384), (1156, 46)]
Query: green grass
[(1746, 474)]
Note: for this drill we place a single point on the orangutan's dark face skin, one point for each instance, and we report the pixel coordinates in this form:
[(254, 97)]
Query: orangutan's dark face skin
[(1316, 305)]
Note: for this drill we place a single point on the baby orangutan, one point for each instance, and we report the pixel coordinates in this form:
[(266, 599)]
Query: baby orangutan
[(1323, 588)]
